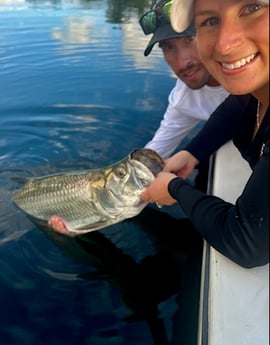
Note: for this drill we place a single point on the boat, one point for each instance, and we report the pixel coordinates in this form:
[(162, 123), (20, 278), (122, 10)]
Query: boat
[(234, 301)]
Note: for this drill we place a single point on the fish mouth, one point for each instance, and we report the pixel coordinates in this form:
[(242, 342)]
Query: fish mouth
[(150, 158)]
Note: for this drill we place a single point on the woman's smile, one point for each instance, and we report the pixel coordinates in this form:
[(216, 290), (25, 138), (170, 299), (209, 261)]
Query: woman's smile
[(239, 63)]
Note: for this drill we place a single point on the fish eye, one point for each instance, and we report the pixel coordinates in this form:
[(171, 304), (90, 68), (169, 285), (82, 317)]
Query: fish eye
[(121, 172)]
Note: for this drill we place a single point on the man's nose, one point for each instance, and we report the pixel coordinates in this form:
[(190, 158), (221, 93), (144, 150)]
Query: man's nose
[(183, 58)]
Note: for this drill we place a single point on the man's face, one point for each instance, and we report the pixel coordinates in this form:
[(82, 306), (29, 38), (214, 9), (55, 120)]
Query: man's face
[(182, 56)]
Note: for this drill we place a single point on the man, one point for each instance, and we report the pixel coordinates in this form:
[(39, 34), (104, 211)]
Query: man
[(196, 94)]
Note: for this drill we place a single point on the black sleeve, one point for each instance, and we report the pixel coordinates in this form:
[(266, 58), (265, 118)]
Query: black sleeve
[(240, 231), (219, 128)]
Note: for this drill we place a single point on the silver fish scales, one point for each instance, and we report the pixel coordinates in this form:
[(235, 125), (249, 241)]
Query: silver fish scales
[(94, 199)]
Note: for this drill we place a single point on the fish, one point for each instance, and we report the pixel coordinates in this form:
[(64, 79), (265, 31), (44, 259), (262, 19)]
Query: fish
[(90, 200)]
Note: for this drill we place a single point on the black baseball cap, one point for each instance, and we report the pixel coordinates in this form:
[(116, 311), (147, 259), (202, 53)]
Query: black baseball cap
[(165, 31)]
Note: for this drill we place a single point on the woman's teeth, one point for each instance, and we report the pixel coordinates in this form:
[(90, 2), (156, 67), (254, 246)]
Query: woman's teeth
[(239, 63)]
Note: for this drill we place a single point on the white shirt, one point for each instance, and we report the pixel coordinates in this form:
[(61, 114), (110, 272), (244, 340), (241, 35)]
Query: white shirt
[(185, 110)]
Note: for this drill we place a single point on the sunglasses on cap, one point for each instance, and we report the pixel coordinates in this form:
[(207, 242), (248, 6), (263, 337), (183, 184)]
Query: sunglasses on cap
[(150, 20)]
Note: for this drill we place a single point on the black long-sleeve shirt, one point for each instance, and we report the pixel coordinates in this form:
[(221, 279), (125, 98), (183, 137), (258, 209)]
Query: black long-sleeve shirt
[(240, 231)]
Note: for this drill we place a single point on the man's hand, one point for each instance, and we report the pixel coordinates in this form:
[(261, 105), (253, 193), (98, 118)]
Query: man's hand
[(181, 164)]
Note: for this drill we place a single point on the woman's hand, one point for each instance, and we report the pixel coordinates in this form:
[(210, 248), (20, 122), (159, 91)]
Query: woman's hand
[(158, 190), (181, 164)]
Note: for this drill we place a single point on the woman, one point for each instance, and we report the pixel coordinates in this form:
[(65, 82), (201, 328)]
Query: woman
[(233, 41)]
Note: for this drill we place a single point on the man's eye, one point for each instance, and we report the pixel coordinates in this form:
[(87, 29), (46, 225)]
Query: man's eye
[(165, 46), (190, 39)]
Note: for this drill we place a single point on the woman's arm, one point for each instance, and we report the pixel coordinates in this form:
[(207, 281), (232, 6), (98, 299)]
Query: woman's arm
[(240, 231)]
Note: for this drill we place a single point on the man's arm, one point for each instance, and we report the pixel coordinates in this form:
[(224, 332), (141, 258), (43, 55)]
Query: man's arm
[(219, 128), (186, 108), (173, 128)]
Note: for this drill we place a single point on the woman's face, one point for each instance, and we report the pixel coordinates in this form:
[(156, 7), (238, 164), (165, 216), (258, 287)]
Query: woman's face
[(233, 41)]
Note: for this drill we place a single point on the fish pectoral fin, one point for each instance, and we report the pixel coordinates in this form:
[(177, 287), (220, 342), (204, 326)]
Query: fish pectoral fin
[(92, 227)]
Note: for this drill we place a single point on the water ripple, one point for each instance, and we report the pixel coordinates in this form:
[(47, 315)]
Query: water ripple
[(78, 93)]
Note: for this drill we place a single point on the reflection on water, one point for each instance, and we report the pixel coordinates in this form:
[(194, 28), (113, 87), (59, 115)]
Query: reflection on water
[(77, 93)]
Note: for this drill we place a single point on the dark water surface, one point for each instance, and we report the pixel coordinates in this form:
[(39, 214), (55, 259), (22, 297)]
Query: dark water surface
[(77, 92)]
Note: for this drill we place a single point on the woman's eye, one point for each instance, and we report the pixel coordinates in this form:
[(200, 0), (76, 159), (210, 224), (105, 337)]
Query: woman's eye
[(251, 8), (210, 21)]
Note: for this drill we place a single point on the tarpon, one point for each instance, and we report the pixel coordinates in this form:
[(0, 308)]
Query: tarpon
[(93, 199)]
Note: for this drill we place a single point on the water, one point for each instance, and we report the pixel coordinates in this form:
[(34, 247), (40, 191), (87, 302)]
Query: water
[(77, 92)]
